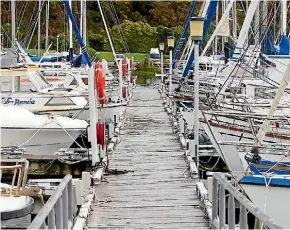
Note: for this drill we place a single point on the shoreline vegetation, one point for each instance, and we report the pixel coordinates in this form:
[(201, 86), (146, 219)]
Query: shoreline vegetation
[(145, 70)]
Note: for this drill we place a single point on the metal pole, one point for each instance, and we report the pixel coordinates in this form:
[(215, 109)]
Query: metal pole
[(106, 28), (39, 27), (223, 37), (1, 44), (161, 64), (13, 38), (57, 37), (196, 101), (47, 25), (85, 21), (93, 115), (81, 23), (13, 21), (170, 76), (70, 30), (257, 24), (284, 17), (235, 22), (70, 35), (216, 21)]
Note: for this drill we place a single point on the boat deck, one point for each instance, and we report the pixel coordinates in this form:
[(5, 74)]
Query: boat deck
[(155, 193)]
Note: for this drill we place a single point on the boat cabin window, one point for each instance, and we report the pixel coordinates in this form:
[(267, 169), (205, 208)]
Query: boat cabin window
[(58, 101), (205, 67), (154, 56)]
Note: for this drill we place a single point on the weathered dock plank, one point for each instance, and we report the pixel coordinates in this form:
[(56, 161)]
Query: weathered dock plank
[(155, 193)]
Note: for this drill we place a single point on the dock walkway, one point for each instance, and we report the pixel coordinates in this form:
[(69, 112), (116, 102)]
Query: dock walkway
[(154, 193)]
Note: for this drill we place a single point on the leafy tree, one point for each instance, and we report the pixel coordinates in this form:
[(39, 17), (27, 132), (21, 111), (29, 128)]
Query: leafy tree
[(139, 36)]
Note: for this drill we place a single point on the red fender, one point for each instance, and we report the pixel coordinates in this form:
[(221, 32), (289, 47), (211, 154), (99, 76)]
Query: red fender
[(124, 67), (101, 139), (100, 84)]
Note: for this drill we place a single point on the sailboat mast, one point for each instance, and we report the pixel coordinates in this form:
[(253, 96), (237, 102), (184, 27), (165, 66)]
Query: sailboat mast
[(218, 27), (13, 21), (265, 13), (216, 22), (70, 36), (13, 83), (85, 21), (257, 25), (223, 37), (107, 31), (284, 17), (81, 22), (1, 44), (39, 27), (47, 25), (235, 22)]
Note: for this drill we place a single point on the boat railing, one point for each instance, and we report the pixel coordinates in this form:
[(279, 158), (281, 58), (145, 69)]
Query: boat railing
[(20, 171), (60, 209), (222, 190)]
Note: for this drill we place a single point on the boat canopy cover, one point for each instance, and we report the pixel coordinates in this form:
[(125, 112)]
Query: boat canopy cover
[(9, 60), (284, 45), (269, 48), (78, 61), (36, 58)]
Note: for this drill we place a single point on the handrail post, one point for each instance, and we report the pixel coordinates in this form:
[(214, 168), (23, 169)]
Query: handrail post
[(231, 211), (222, 207), (245, 205), (51, 219), (65, 208), (214, 200), (59, 217), (43, 226), (243, 217), (70, 201)]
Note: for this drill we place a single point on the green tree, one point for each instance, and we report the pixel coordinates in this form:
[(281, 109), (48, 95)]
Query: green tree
[(140, 36)]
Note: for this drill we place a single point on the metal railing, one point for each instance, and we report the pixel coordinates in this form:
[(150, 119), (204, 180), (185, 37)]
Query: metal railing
[(219, 187), (60, 209)]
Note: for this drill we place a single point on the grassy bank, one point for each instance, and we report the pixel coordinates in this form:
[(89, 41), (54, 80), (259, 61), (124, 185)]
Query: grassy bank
[(138, 57)]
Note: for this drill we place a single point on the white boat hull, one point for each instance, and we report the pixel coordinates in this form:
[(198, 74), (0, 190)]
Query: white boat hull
[(272, 201), (44, 141)]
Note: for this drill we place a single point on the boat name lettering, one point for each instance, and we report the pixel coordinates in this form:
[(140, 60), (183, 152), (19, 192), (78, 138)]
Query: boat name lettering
[(18, 101)]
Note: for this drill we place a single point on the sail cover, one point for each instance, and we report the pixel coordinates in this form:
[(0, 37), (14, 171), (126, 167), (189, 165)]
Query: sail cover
[(9, 60), (284, 45)]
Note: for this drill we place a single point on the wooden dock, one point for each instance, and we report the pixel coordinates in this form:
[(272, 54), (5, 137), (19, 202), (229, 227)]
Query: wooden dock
[(155, 193)]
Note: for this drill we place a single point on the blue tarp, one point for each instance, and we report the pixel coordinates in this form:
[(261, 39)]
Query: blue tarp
[(268, 46), (35, 58), (78, 61), (284, 45)]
